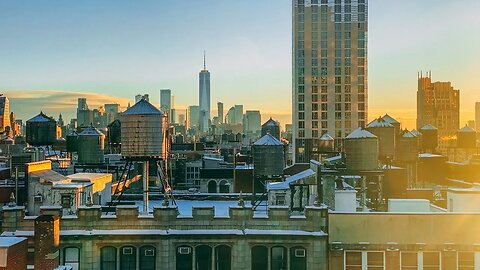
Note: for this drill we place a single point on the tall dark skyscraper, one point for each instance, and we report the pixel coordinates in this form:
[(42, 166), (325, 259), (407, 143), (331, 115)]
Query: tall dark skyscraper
[(329, 71), (204, 98)]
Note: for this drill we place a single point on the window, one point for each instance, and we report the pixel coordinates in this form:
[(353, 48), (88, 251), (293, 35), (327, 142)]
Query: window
[(298, 258), (279, 258), (212, 186), (409, 260), (466, 260), (375, 260), (259, 258), (108, 258), (203, 255), (353, 260), (71, 257), (431, 260), (223, 260), (184, 258), (148, 258), (301, 115), (128, 258), (66, 201)]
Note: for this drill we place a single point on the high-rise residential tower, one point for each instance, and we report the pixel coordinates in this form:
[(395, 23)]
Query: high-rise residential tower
[(204, 98), (477, 116), (329, 71), (4, 113), (438, 104)]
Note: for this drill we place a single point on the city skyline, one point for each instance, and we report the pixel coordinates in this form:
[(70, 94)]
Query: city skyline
[(93, 59)]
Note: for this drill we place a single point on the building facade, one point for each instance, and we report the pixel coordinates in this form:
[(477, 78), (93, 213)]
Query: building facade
[(4, 113), (438, 104), (329, 71)]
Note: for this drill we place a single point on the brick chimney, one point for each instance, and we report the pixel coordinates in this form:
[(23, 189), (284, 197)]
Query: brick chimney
[(47, 239)]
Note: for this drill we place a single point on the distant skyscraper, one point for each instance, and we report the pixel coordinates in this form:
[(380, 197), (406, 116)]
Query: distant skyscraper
[(144, 96), (477, 116), (220, 112), (329, 71), (84, 115), (438, 104), (165, 99), (252, 123), (238, 114), (204, 98), (4, 113), (193, 117), (181, 119)]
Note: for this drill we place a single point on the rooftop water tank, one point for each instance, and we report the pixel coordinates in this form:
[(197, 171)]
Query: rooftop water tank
[(429, 137), (72, 142), (41, 130), (91, 145), (407, 147), (326, 144), (268, 156), (392, 121), (466, 137), (361, 150), (385, 133), (60, 144), (271, 127), (141, 130), (115, 132)]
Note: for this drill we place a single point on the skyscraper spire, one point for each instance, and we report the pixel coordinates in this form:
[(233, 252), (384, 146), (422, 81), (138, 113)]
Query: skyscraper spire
[(204, 62)]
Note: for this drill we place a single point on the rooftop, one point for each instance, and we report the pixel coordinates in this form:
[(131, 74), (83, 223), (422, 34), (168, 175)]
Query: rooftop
[(268, 140), (360, 133), (142, 107)]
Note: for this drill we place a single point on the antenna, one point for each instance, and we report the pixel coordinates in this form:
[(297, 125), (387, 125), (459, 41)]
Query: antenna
[(204, 62)]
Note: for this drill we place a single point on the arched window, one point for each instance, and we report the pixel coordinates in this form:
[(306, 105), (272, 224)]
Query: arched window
[(259, 258), (279, 258), (223, 257), (224, 187), (184, 258), (148, 256), (203, 256), (108, 258), (298, 258), (71, 257), (212, 186), (128, 258)]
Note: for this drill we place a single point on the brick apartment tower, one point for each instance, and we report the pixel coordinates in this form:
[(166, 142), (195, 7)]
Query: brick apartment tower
[(47, 239)]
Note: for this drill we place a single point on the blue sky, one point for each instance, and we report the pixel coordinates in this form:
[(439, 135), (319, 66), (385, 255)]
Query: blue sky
[(112, 50)]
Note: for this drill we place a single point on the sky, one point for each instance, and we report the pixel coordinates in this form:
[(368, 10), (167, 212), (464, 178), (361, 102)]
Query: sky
[(52, 52)]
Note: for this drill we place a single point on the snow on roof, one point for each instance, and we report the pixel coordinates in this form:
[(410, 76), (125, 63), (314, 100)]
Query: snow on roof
[(379, 122), (326, 137), (428, 155), (268, 140), (6, 241), (41, 117), (332, 159), (407, 134), (360, 133), (49, 176), (212, 158), (467, 129), (142, 107), (90, 131), (291, 179), (88, 177), (416, 132), (390, 119), (429, 127)]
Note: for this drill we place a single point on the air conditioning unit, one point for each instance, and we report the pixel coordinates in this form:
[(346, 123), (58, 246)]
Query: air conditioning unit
[(300, 253), (37, 199), (127, 251), (184, 250), (149, 253)]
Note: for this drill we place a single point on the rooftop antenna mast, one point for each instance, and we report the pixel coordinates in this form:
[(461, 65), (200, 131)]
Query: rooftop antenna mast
[(204, 62)]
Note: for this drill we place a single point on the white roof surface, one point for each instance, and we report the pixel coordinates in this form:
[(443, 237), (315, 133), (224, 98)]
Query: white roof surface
[(379, 122), (360, 133), (291, 179), (326, 137), (429, 127), (268, 140), (142, 107), (467, 129), (390, 119), (6, 242)]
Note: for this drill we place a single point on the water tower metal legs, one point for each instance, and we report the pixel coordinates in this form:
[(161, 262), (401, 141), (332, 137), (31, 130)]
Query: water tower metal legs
[(145, 186)]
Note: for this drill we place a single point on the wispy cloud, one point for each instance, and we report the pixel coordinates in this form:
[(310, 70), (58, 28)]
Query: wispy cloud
[(27, 104)]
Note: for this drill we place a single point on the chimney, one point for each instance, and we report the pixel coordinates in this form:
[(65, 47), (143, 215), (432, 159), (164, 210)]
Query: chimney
[(47, 239)]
